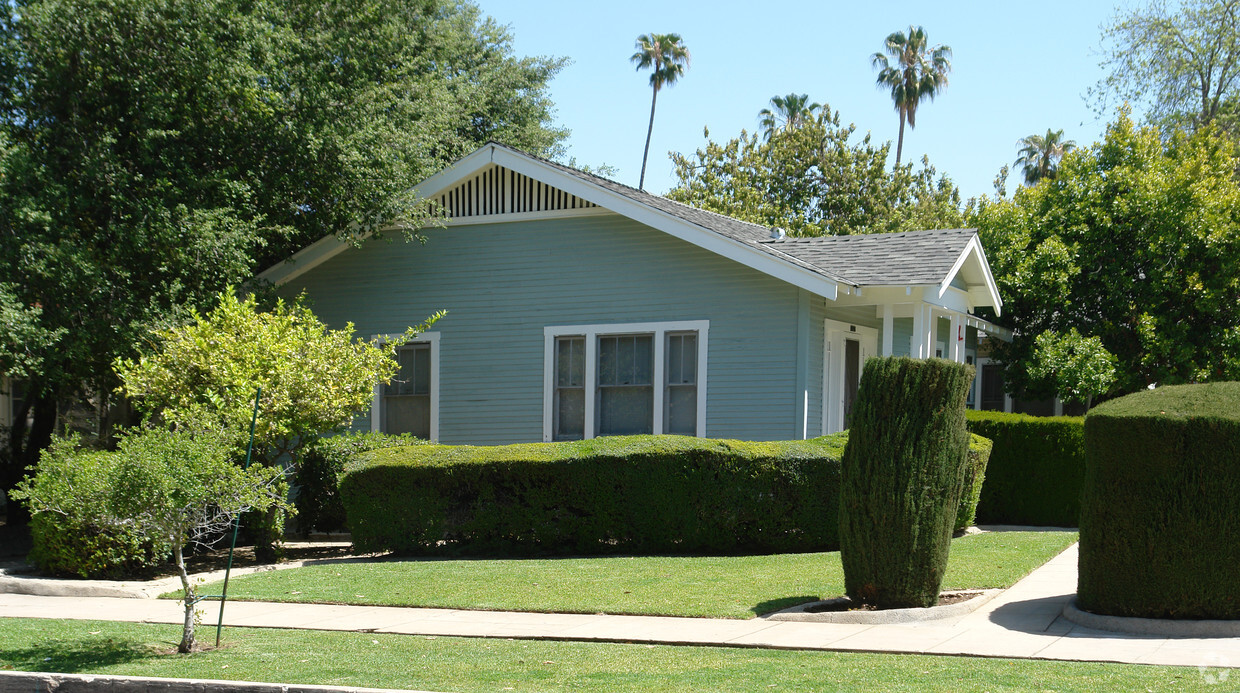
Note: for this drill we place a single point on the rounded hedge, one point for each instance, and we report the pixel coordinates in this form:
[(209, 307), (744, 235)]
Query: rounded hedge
[(1160, 516)]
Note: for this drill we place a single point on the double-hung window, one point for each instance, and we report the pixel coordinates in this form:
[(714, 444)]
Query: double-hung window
[(409, 403), (625, 379)]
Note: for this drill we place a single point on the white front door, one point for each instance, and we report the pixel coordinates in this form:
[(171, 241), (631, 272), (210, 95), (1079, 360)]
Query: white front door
[(845, 350)]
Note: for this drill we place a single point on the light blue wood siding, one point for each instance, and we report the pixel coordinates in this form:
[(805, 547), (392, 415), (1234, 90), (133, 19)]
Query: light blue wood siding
[(902, 337), (503, 283)]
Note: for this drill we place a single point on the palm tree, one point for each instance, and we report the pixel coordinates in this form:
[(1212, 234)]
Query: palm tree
[(1040, 155), (788, 113), (667, 55), (919, 72)]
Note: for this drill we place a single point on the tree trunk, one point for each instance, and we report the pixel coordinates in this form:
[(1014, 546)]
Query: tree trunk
[(900, 141), (187, 635), (25, 445), (641, 183)]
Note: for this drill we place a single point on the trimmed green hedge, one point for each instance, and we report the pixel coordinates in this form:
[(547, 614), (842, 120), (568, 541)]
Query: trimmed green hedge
[(902, 475), (318, 476), (979, 454), (650, 494), (1160, 526), (1036, 468)]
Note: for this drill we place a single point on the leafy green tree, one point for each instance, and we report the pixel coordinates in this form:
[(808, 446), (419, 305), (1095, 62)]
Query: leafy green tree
[(919, 71), (23, 339), (156, 151), (1180, 60), (787, 112), (1136, 242), (1079, 368), (314, 380), (666, 56), (167, 488), (1040, 154), (814, 180)]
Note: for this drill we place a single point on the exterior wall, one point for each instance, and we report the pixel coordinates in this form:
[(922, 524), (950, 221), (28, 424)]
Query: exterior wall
[(503, 283), (902, 336)]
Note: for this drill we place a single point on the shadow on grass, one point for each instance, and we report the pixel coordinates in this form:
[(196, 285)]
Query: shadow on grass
[(772, 605), (69, 657)]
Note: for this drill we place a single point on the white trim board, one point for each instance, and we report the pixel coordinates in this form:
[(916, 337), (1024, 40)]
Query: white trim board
[(591, 334)]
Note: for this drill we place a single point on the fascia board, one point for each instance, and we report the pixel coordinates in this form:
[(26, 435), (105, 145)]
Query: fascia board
[(973, 249), (671, 225), (305, 260)]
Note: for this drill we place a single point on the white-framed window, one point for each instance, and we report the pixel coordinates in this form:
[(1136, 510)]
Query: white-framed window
[(410, 402), (624, 379)]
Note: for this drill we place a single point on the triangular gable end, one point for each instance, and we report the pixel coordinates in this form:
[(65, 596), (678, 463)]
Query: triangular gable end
[(497, 191), (975, 270), (496, 178)]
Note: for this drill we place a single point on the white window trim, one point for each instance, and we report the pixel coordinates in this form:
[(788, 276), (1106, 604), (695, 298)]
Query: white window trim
[(431, 338), (591, 334)]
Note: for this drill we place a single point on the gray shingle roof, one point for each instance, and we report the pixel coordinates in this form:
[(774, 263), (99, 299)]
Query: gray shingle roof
[(913, 257)]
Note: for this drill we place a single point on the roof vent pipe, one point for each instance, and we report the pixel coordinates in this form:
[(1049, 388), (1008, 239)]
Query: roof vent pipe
[(778, 233)]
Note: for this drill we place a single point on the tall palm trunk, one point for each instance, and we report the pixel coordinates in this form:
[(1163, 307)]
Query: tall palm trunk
[(641, 183), (900, 141)]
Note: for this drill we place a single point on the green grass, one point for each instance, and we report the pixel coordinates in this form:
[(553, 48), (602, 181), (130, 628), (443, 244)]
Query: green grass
[(462, 664), (710, 586)]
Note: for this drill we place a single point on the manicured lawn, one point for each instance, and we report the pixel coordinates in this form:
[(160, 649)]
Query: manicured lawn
[(462, 664), (712, 586)]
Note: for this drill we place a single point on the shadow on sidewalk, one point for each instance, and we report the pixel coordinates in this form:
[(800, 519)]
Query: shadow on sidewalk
[(1031, 615)]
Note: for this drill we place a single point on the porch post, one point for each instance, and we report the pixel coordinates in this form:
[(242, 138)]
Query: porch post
[(917, 349), (888, 328), (932, 331)]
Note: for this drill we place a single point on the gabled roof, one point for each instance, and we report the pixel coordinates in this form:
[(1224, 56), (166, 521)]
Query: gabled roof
[(819, 265)]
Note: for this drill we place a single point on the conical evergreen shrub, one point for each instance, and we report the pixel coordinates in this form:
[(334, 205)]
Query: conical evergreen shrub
[(901, 481)]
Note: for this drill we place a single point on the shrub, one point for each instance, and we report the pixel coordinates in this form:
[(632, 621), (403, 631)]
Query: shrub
[(902, 475), (1161, 505), (1036, 468), (975, 474), (116, 514), (318, 476), (654, 494), (77, 534)]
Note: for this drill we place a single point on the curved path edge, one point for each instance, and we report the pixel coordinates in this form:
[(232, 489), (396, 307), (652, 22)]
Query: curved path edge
[(1165, 627)]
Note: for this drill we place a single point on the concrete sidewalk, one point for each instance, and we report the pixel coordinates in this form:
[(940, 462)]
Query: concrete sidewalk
[(1024, 621)]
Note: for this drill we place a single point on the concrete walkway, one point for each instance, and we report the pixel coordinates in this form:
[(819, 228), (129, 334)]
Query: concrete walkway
[(1024, 621)]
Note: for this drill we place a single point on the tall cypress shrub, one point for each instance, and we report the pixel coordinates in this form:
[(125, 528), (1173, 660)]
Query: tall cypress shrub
[(902, 474)]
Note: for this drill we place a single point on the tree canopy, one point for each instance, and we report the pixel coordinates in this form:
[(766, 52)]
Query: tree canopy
[(912, 70), (1136, 242), (156, 151), (1040, 154), (815, 180), (666, 57), (314, 380), (1180, 61)]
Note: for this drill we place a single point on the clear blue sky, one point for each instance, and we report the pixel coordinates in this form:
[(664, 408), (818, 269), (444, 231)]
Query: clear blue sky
[(1018, 68)]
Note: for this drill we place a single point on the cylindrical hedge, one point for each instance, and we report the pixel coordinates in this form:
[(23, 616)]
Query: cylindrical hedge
[(903, 471), (1036, 468), (649, 494), (1160, 518)]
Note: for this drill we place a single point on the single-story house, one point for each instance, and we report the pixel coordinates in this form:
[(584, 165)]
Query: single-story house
[(580, 307)]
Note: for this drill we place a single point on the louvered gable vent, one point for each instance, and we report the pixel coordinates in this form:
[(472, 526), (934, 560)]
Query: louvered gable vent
[(498, 190)]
